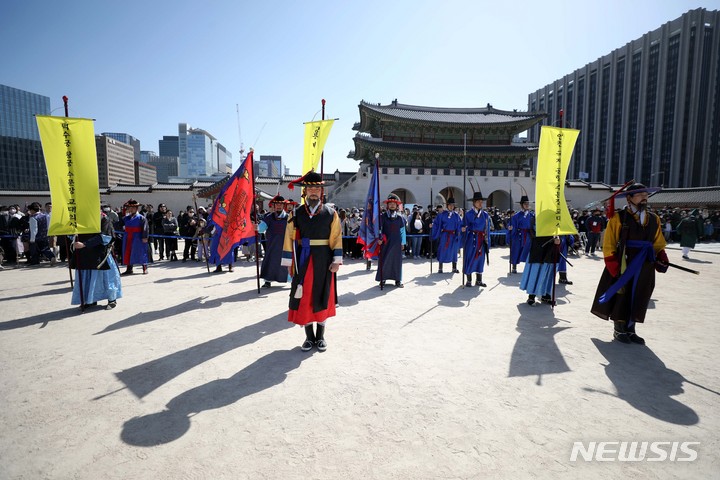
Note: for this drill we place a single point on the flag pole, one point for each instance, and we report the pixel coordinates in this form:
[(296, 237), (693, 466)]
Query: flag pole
[(462, 275), (379, 211), (75, 252), (256, 219), (322, 154), (430, 212), (67, 244)]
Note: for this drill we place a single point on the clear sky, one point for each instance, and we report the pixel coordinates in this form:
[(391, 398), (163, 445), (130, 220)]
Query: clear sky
[(142, 67)]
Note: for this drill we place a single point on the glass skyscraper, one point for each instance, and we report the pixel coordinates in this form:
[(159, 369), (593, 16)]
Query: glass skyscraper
[(648, 111), (22, 165)]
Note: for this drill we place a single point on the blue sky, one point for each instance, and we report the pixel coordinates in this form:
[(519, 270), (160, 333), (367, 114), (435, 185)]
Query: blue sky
[(141, 67)]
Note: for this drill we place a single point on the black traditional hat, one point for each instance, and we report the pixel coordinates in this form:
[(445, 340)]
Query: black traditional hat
[(277, 199), (392, 198), (450, 200), (310, 179), (476, 196), (132, 203), (524, 199), (639, 188), (290, 201)]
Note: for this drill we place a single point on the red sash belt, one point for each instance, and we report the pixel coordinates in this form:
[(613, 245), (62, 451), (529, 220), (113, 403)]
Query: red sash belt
[(449, 237), (479, 240), (130, 234)]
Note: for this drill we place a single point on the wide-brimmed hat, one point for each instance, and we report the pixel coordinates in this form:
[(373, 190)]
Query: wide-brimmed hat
[(639, 188), (524, 199), (290, 201), (310, 179), (476, 196), (132, 203), (392, 198), (450, 200), (277, 199)]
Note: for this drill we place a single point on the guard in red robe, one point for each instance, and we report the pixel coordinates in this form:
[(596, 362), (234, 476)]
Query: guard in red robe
[(313, 252), (135, 247)]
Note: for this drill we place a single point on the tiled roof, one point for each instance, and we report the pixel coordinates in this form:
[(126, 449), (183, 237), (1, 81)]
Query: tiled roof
[(380, 144), (451, 115), (172, 186), (130, 188), (687, 197)]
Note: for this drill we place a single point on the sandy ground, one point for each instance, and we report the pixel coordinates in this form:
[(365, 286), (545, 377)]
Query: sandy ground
[(196, 376)]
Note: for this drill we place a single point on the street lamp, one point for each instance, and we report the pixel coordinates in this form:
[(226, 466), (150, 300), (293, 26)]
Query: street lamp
[(662, 177)]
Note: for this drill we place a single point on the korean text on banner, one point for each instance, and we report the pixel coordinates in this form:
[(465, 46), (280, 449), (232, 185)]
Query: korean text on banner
[(551, 211), (71, 160), (316, 134)]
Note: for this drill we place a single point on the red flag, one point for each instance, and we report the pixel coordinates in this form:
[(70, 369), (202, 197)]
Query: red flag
[(231, 212)]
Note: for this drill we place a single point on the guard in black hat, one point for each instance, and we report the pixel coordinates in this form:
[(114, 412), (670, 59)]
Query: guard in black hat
[(313, 250), (273, 225), (476, 251), (446, 229), (520, 233), (634, 249), (135, 248), (392, 226)]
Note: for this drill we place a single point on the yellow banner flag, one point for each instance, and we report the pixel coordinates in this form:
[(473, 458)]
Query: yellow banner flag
[(316, 134), (551, 211), (71, 160)]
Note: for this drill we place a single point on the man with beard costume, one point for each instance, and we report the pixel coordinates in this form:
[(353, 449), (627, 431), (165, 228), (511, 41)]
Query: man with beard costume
[(313, 253), (633, 248)]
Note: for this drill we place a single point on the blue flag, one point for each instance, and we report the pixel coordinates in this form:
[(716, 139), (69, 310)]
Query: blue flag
[(369, 233)]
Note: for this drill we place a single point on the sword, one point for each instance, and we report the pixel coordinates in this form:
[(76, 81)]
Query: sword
[(684, 269)]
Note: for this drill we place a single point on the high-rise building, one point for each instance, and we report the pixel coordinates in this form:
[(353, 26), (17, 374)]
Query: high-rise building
[(168, 146), (22, 165), (199, 153), (145, 174), (129, 139), (165, 166), (648, 111), (269, 166), (116, 164)]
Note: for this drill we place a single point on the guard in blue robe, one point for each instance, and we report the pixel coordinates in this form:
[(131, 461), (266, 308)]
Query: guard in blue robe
[(135, 248), (446, 229), (519, 233), (273, 224), (476, 242), (392, 226)]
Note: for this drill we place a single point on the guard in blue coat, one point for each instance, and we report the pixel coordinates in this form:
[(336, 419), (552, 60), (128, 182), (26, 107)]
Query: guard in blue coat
[(446, 229), (135, 249), (392, 226), (476, 232), (273, 224), (520, 233)]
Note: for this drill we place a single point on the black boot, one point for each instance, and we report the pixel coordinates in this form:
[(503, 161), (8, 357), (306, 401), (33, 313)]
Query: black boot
[(128, 271), (440, 268), (468, 282), (454, 268), (514, 268), (367, 266), (320, 342), (564, 279), (478, 280), (218, 269), (309, 338), (620, 333), (634, 337), (531, 300)]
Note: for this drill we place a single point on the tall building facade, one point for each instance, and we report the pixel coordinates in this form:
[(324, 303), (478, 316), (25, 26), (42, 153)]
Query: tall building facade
[(145, 174), (199, 153), (116, 162), (165, 166), (269, 166), (22, 165), (648, 111), (129, 139)]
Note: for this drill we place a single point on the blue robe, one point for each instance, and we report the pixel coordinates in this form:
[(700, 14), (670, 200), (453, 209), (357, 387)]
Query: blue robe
[(135, 251), (271, 270), (391, 251), (520, 237), (476, 241), (446, 229)]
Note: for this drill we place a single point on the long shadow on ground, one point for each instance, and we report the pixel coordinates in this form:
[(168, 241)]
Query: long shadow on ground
[(143, 379), (643, 381), (172, 423), (43, 319), (535, 352)]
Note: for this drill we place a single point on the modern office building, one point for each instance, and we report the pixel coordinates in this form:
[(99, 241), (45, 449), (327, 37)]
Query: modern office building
[(269, 166), (168, 146), (145, 174), (129, 139), (165, 166), (116, 164), (199, 153), (22, 165), (648, 111)]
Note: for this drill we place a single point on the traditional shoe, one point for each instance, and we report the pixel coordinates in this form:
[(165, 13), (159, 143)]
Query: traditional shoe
[(514, 269), (230, 268), (455, 270), (111, 305), (621, 337), (218, 269), (321, 345), (126, 272), (686, 257), (468, 283), (546, 299), (531, 300), (144, 269), (399, 284), (479, 283), (266, 285), (306, 346), (635, 338), (440, 269), (565, 281), (382, 283)]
